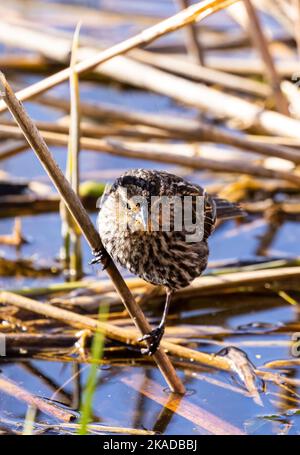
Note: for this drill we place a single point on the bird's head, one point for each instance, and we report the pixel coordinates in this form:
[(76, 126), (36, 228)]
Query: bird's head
[(133, 197)]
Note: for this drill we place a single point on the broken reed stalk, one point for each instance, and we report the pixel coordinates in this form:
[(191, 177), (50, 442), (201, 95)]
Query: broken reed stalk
[(82, 219), (114, 332), (190, 93), (297, 24), (99, 287), (74, 139), (194, 13), (193, 44), (262, 46), (92, 429), (21, 62), (58, 50), (14, 390), (74, 145), (170, 63), (39, 341), (253, 278), (115, 147), (177, 128), (157, 152), (191, 70), (87, 129), (278, 11), (12, 148), (292, 93), (208, 421), (252, 66), (286, 208), (15, 238), (72, 232)]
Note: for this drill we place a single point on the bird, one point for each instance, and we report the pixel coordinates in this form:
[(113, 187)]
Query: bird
[(141, 226)]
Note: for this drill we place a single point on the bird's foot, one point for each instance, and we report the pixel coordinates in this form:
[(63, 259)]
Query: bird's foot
[(154, 339), (100, 257)]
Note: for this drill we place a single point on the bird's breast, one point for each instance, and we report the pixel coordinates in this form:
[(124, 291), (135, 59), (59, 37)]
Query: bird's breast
[(162, 258)]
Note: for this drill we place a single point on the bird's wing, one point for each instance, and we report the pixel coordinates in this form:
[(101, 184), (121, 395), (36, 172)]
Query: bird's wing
[(177, 186)]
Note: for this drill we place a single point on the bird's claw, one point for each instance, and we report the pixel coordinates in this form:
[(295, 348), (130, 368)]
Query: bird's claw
[(154, 338), (100, 257)]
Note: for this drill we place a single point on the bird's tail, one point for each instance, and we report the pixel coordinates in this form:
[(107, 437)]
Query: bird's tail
[(227, 210)]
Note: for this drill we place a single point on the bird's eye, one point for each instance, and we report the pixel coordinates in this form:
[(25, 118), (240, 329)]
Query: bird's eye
[(128, 206), (138, 205)]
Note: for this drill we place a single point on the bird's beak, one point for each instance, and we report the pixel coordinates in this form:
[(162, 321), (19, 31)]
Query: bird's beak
[(141, 217)]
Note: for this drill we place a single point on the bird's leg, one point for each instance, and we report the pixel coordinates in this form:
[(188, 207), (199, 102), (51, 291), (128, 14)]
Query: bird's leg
[(155, 336), (101, 256)]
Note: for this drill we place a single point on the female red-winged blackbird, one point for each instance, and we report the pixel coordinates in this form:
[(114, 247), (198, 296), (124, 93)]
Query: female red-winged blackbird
[(156, 225)]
